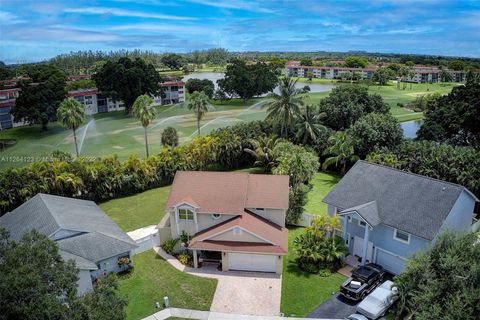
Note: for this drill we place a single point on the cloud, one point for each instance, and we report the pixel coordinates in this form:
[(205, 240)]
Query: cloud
[(154, 27), (125, 13), (237, 5), (7, 18)]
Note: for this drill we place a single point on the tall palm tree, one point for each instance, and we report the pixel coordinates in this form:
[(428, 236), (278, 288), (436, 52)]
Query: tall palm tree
[(145, 112), (308, 125), (285, 107), (71, 114), (341, 151), (198, 103), (263, 152)]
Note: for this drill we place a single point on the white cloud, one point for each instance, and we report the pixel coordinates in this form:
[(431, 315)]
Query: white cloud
[(153, 27), (7, 18), (125, 13), (238, 5)]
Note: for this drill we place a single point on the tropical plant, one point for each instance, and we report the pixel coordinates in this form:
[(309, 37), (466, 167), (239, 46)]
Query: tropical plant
[(170, 137), (340, 150), (169, 245), (71, 114), (308, 126), (285, 107), (184, 259), (184, 238), (296, 162), (262, 149), (297, 201), (145, 112), (198, 103)]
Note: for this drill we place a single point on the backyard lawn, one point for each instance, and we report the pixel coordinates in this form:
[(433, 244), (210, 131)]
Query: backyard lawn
[(153, 278)]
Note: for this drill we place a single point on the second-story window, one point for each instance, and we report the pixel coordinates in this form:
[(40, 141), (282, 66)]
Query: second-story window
[(185, 214)]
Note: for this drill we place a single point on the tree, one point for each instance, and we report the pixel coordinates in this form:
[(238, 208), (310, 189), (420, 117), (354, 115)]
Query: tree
[(205, 85), (263, 151), (198, 103), (443, 282), (375, 131), (310, 75), (296, 162), (306, 62), (173, 61), (341, 152), (126, 79), (285, 107), (39, 100), (382, 75), (348, 103), (145, 112), (80, 84), (247, 81), (454, 118), (445, 76), (356, 62), (170, 137), (457, 65), (71, 114), (308, 127)]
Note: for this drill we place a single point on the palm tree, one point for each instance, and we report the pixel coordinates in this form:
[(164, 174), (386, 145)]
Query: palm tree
[(341, 151), (198, 103), (308, 125), (145, 112), (71, 114), (285, 107), (263, 152)]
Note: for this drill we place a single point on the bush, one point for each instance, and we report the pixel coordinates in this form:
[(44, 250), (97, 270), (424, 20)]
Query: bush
[(169, 245), (185, 259), (169, 137), (324, 273)]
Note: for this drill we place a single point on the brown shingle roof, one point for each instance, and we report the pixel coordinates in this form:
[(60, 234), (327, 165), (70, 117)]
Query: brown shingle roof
[(229, 192)]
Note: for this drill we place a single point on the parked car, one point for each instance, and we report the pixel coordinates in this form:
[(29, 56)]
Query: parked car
[(356, 316), (362, 282), (377, 303)]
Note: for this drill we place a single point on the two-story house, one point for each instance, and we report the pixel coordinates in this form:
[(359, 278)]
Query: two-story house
[(389, 214), (234, 218), (82, 231)]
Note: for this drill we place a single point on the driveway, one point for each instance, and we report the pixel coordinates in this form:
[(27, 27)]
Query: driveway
[(249, 293), (337, 307)]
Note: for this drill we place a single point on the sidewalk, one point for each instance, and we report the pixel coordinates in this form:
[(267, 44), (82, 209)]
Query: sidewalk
[(208, 315)]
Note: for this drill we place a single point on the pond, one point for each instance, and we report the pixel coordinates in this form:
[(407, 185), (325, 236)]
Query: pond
[(214, 76), (410, 128)]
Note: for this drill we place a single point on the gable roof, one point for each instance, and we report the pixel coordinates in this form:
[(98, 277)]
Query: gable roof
[(276, 237), (98, 238), (229, 192), (403, 200)]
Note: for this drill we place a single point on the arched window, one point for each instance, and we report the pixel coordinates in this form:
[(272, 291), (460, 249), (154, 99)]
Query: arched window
[(185, 214)]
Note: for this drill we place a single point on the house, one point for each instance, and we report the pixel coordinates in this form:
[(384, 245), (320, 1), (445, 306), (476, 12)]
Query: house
[(235, 219), (389, 214), (82, 231)]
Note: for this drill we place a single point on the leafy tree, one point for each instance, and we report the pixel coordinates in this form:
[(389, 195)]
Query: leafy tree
[(263, 151), (382, 75), (308, 127), (80, 84), (457, 65), (198, 103), (170, 137), (445, 76), (126, 79), (229, 148), (310, 75), (348, 103), (173, 61), (454, 118), (247, 81), (341, 151), (297, 200), (145, 112), (71, 114), (356, 62), (306, 62), (375, 131), (296, 162), (346, 75), (205, 85), (444, 281), (38, 101), (285, 107)]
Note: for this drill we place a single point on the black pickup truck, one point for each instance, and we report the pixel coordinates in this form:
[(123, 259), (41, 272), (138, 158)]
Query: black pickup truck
[(362, 282)]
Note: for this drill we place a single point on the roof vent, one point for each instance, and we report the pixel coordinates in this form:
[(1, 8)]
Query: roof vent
[(443, 189)]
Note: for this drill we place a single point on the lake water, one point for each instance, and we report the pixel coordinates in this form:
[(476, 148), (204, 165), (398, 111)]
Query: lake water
[(410, 128), (214, 76)]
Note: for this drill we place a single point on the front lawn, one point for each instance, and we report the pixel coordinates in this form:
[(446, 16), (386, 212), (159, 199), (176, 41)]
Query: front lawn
[(322, 183), (139, 210), (154, 278), (302, 292)]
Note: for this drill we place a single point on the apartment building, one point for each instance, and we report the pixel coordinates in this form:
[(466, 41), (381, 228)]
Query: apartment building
[(7, 103), (425, 74), (295, 70)]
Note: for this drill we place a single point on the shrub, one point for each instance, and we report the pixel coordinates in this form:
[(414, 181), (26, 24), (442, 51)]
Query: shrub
[(324, 273), (169, 137), (184, 259), (169, 245)]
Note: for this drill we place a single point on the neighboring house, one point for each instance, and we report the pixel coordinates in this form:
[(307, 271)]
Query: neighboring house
[(389, 214), (8, 98), (235, 218), (82, 231)]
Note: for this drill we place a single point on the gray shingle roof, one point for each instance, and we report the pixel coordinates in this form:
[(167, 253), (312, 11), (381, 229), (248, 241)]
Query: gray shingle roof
[(406, 201), (81, 262), (368, 211), (101, 238)]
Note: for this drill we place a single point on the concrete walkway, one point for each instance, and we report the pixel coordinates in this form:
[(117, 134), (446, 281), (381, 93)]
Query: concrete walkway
[(247, 293), (209, 315)]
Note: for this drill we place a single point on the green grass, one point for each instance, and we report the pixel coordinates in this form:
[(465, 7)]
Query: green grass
[(139, 210), (153, 278), (302, 292)]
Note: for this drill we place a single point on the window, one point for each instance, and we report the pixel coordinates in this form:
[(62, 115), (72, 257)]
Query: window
[(185, 214), (237, 231), (401, 236), (362, 223), (216, 216), (349, 219)]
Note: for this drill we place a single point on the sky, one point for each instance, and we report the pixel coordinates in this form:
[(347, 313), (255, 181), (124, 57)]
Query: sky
[(35, 30)]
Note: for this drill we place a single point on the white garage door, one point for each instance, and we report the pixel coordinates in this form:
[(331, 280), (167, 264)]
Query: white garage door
[(252, 262), (391, 262)]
